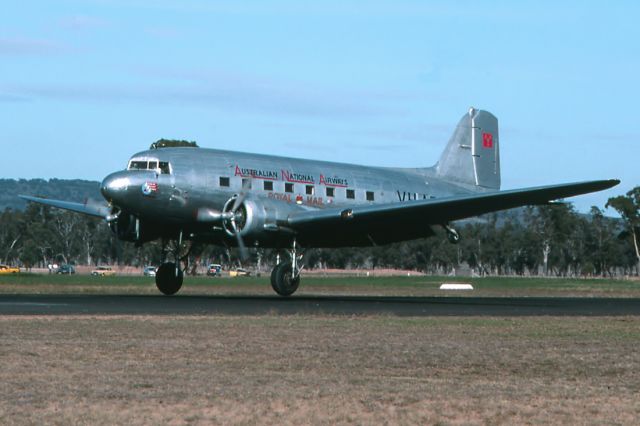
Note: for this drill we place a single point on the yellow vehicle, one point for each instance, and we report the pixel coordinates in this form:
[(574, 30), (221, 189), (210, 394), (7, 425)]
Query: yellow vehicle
[(239, 272), (4, 269), (103, 271)]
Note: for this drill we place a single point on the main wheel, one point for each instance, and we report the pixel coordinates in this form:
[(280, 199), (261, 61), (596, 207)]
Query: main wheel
[(168, 279), (282, 280)]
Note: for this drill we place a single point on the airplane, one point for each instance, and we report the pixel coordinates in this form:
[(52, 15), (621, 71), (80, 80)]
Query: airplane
[(245, 200)]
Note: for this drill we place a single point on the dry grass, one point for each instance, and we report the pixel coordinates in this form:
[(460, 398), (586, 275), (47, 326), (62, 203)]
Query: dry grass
[(318, 370)]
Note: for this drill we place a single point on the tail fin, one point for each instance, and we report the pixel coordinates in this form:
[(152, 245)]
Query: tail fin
[(472, 156)]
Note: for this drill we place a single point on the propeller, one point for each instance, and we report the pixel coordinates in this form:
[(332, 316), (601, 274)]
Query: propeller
[(234, 214), (100, 208), (234, 217)]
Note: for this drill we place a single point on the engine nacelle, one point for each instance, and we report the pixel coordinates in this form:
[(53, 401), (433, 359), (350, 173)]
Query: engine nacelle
[(256, 219)]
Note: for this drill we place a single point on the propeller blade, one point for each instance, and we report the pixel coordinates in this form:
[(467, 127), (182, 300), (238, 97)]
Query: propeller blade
[(244, 253), (99, 207), (237, 202)]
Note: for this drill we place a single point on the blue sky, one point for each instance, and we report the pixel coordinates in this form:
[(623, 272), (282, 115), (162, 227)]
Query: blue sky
[(84, 84)]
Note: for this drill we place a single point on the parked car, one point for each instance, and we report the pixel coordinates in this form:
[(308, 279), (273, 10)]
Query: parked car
[(214, 270), (66, 269), (4, 269), (103, 271), (149, 271), (240, 272)]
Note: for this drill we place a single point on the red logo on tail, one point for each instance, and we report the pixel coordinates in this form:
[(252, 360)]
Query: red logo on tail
[(487, 140)]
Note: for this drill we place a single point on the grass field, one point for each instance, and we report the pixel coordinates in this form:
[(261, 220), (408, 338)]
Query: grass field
[(384, 286), (318, 369)]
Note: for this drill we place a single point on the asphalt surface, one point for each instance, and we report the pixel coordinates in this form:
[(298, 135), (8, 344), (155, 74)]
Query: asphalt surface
[(304, 305)]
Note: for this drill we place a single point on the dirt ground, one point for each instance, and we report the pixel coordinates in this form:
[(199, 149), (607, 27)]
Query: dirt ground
[(318, 370)]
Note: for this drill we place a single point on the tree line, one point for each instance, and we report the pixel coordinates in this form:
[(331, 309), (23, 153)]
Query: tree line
[(552, 239)]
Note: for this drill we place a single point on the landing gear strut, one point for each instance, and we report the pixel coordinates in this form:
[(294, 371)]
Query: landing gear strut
[(169, 276), (285, 277)]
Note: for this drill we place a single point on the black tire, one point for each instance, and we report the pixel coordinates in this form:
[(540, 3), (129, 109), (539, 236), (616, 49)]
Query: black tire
[(282, 280), (167, 280), (273, 276)]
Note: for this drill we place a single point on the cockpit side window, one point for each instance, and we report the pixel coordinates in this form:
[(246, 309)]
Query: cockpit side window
[(164, 168)]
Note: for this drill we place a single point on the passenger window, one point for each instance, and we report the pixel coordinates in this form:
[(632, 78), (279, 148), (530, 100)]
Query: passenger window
[(351, 193), (268, 185), (288, 187), (369, 196), (309, 189), (224, 181), (246, 183), (331, 192), (164, 168)]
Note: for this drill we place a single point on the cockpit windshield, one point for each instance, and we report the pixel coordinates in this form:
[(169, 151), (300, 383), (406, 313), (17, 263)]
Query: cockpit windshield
[(161, 167)]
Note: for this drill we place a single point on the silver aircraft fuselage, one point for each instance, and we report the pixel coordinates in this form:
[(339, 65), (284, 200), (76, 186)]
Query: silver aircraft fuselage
[(194, 181), (195, 173)]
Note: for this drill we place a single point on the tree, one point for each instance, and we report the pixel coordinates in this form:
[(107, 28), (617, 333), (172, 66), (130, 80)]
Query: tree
[(628, 206), (39, 238), (64, 226), (555, 225), (10, 234), (602, 250)]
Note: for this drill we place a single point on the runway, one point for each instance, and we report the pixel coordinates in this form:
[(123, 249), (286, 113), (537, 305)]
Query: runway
[(318, 305)]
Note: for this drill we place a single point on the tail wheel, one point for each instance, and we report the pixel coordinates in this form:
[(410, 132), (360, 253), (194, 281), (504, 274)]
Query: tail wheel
[(282, 280), (169, 278), (453, 236)]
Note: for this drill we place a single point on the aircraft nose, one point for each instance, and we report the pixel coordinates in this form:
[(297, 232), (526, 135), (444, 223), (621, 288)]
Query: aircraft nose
[(114, 185)]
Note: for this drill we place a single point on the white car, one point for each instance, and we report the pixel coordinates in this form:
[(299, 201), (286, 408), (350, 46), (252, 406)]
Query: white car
[(149, 271)]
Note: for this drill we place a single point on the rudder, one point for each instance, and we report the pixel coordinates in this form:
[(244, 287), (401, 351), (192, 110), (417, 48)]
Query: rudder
[(472, 156)]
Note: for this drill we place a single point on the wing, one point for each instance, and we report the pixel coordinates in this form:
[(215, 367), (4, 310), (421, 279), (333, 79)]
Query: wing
[(88, 208), (383, 223)]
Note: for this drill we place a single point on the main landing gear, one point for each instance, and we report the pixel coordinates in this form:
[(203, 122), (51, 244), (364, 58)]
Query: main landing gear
[(452, 234), (285, 277), (169, 276)]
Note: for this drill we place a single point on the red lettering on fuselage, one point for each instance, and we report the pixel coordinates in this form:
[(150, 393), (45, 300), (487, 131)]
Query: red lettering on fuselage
[(296, 177), (333, 181), (314, 201), (280, 197)]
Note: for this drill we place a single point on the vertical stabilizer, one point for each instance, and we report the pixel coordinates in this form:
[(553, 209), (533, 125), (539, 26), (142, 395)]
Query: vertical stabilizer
[(472, 156)]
